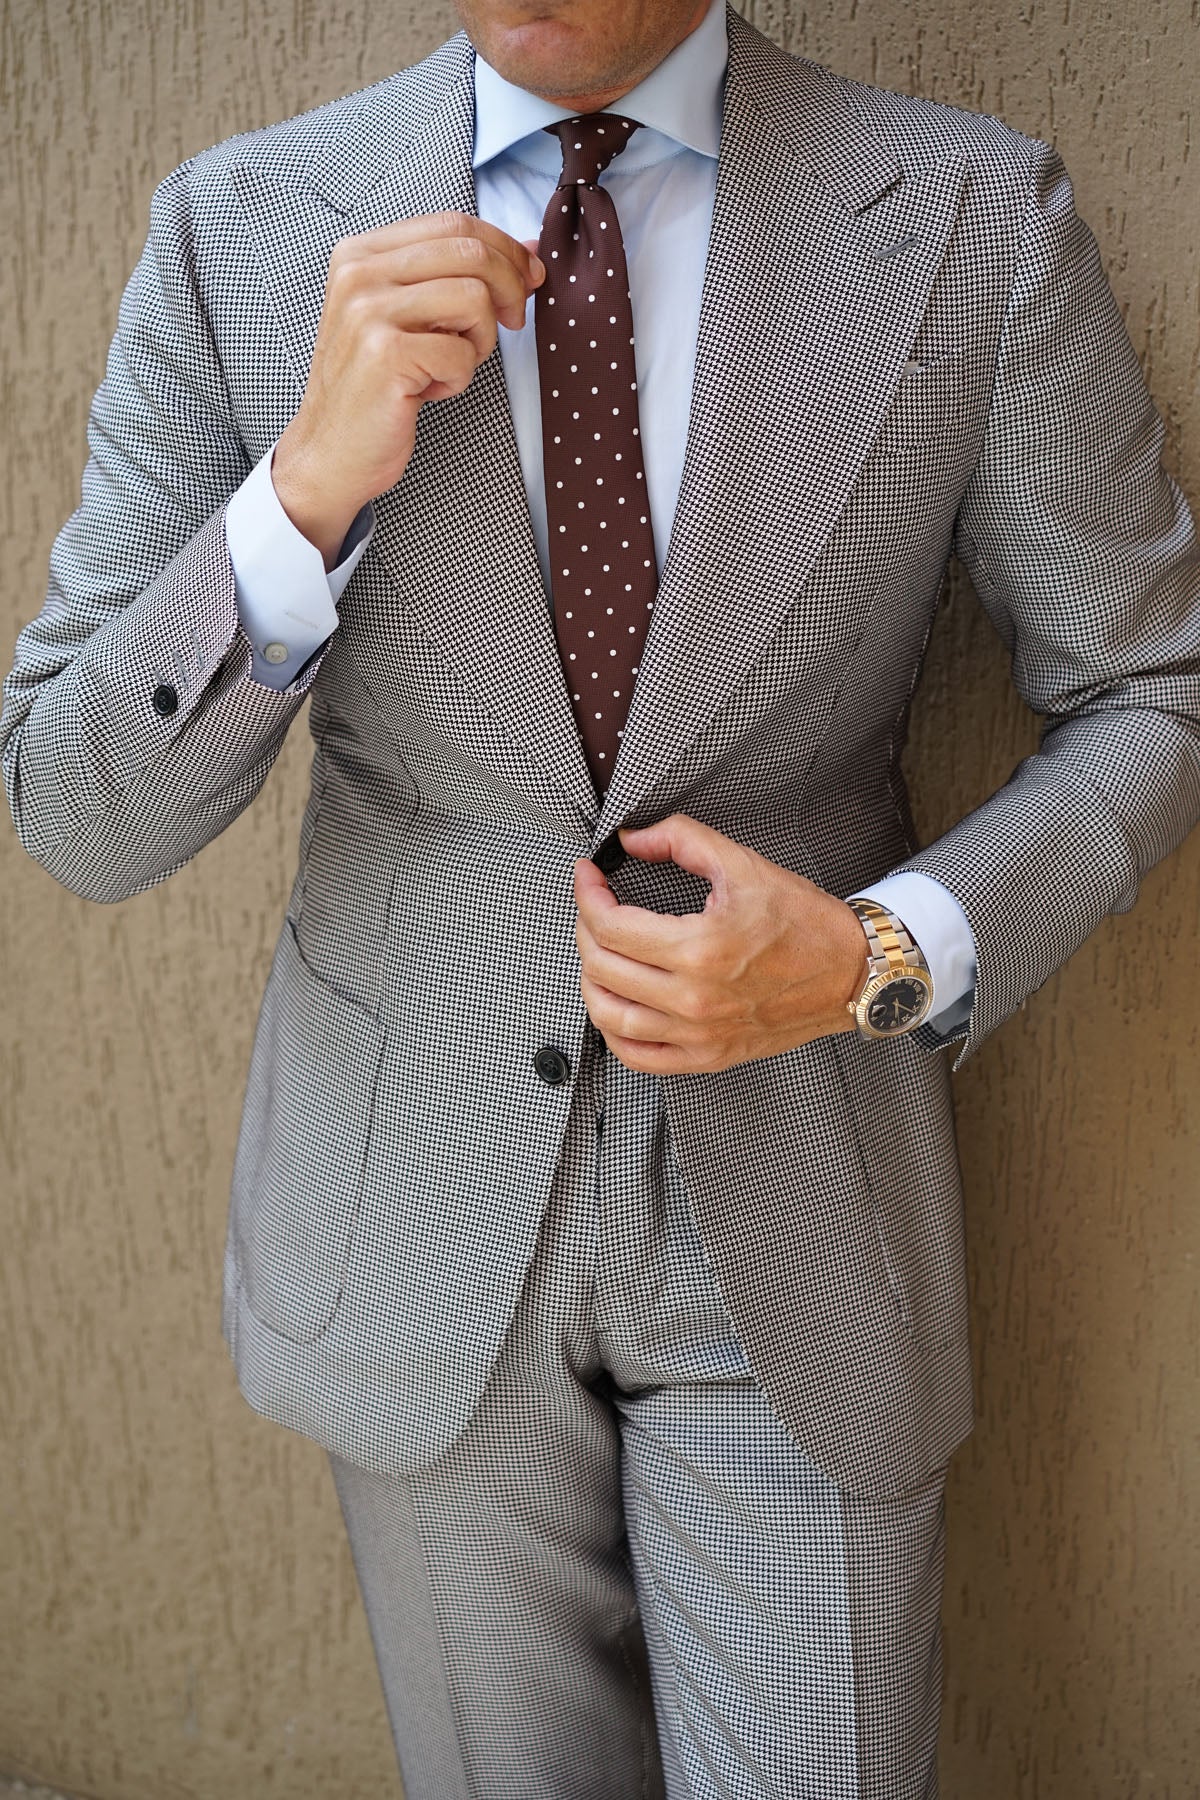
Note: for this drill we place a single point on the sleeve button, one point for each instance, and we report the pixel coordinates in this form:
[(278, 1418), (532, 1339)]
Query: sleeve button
[(166, 700)]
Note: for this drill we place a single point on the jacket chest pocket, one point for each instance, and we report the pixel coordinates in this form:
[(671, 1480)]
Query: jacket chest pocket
[(935, 400), (306, 1128)]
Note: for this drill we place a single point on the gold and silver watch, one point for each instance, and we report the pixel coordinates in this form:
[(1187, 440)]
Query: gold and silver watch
[(897, 993)]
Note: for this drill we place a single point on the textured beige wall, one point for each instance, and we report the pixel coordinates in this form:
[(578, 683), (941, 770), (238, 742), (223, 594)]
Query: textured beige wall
[(179, 1614)]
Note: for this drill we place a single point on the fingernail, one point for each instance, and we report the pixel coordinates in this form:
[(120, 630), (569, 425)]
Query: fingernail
[(537, 267)]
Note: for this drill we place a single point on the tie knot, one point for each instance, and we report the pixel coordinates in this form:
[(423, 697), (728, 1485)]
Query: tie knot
[(589, 144)]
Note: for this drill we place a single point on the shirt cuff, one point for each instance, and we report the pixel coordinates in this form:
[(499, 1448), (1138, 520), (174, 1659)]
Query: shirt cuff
[(938, 926), (287, 600)]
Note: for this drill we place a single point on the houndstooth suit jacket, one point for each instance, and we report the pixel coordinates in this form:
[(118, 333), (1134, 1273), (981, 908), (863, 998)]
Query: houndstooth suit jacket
[(907, 345)]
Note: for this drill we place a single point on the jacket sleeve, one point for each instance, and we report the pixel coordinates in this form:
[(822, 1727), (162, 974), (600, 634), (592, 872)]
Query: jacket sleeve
[(133, 731), (1084, 553)]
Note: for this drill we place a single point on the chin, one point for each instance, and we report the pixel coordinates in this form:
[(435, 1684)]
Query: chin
[(543, 56)]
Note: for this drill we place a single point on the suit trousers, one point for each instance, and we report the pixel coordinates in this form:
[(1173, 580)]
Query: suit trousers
[(625, 1578)]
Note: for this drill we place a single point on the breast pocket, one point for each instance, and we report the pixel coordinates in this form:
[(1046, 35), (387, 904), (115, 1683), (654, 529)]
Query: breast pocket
[(306, 1129), (934, 398)]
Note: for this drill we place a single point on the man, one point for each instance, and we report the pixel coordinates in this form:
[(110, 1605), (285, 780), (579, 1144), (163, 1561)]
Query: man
[(596, 1202)]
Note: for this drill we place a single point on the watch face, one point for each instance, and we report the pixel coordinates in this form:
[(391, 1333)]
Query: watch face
[(899, 1004)]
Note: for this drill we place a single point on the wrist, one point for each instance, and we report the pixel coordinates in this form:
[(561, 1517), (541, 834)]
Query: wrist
[(311, 505)]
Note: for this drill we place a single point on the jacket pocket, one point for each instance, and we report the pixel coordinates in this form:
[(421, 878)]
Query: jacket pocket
[(306, 1129)]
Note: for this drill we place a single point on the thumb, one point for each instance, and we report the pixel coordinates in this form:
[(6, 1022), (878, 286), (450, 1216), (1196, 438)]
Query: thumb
[(687, 843)]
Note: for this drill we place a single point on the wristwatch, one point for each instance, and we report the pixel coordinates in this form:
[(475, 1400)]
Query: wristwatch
[(898, 990)]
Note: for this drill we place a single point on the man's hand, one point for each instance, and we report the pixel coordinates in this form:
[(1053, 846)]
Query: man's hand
[(769, 964), (410, 313)]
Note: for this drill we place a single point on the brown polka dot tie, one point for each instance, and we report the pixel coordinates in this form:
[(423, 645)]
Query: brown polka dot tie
[(602, 570)]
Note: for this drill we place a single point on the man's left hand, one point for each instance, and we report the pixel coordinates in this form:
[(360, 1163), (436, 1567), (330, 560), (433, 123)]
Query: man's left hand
[(769, 964)]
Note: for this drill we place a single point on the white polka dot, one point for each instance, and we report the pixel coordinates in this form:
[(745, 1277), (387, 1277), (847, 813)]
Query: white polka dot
[(599, 715), (571, 278), (599, 481), (629, 587)]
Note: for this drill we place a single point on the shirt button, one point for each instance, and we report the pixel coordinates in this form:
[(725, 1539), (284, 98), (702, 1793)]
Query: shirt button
[(552, 1066), (165, 701), (276, 653)]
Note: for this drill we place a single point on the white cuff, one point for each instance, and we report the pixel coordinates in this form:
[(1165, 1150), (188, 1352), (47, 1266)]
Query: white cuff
[(938, 926), (287, 601)]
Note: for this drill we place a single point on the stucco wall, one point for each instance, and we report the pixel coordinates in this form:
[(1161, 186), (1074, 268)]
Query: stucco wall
[(180, 1617)]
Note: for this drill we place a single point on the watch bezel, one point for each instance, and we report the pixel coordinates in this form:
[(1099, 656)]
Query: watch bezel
[(875, 986)]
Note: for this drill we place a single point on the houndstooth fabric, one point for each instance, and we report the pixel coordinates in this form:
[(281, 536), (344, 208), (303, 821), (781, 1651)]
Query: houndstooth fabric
[(625, 1578), (926, 356)]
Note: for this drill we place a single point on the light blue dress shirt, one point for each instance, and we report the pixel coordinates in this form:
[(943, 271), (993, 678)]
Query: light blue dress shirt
[(663, 184)]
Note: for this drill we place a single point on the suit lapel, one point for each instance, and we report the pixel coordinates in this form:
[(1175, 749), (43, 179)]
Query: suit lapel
[(821, 256), (454, 535)]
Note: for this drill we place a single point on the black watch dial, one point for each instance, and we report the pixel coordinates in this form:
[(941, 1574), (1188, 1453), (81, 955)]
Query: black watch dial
[(898, 1004)]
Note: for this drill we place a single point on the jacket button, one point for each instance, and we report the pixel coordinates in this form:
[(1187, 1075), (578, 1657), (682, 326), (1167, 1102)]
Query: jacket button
[(610, 855), (166, 700), (552, 1066)]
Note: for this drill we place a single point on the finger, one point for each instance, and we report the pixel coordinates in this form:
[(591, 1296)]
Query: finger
[(461, 305), (651, 1059), (437, 365), (510, 271), (625, 1018), (647, 937), (627, 979), (690, 845), (402, 233)]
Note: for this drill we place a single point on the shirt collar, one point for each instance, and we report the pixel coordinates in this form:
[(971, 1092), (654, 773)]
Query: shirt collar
[(681, 98)]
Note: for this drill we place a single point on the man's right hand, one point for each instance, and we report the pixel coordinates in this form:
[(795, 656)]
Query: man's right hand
[(410, 312)]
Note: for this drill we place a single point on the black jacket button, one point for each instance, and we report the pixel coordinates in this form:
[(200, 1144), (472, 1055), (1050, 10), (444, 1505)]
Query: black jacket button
[(552, 1066), (166, 700), (610, 855)]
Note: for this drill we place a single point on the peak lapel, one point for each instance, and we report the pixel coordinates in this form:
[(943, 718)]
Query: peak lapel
[(454, 535), (821, 256)]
